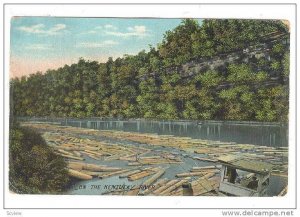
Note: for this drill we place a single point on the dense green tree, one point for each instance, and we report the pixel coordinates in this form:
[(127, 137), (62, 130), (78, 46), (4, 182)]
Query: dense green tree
[(154, 85), (176, 47)]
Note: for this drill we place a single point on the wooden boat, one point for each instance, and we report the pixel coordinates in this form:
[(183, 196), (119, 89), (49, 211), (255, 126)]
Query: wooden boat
[(259, 172)]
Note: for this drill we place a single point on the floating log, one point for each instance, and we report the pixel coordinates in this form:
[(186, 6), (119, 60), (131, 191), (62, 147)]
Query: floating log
[(133, 192), (93, 152), (153, 179), (191, 174), (157, 185), (205, 159), (280, 175), (112, 174), (140, 175), (91, 167), (206, 167), (155, 161), (164, 187), (77, 153), (208, 175), (178, 192), (71, 157), (129, 173), (91, 173), (150, 158), (285, 148), (93, 157), (105, 153), (131, 157), (206, 171), (113, 157), (67, 145), (204, 151), (283, 191), (173, 187), (134, 164), (65, 152), (79, 175), (90, 148)]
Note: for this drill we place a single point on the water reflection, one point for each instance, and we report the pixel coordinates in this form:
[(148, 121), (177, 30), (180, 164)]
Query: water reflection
[(258, 134)]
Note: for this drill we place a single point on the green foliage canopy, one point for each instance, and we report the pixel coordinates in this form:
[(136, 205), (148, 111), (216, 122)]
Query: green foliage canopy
[(153, 84)]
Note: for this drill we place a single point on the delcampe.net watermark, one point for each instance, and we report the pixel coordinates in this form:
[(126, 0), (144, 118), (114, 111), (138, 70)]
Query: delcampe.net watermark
[(268, 213)]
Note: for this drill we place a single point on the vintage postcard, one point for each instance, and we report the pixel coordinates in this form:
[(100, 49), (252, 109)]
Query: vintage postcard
[(185, 106), (149, 106)]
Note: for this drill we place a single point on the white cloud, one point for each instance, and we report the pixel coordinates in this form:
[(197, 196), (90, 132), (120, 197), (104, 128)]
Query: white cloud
[(38, 47), (109, 26), (97, 28), (57, 28), (40, 29), (108, 29), (107, 43), (139, 31), (88, 32), (32, 29)]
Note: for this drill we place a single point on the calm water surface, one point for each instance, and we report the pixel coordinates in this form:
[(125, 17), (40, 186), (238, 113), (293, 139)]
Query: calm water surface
[(275, 135)]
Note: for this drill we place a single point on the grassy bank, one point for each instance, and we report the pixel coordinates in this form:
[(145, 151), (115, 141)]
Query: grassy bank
[(33, 166)]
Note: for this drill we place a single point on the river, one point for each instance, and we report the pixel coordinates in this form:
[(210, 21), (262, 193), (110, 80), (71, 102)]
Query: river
[(264, 134)]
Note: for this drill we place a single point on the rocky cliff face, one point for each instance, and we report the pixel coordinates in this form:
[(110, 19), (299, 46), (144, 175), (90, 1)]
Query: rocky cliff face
[(249, 55)]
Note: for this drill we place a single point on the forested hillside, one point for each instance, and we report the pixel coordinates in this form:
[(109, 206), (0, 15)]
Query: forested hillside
[(159, 85)]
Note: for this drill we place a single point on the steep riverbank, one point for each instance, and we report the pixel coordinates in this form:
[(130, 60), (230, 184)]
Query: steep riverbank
[(33, 166)]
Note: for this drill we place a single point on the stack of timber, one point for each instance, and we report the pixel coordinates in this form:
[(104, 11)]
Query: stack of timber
[(202, 185)]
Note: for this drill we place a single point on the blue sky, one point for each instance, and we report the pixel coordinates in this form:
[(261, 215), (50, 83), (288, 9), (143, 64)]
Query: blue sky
[(39, 43)]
